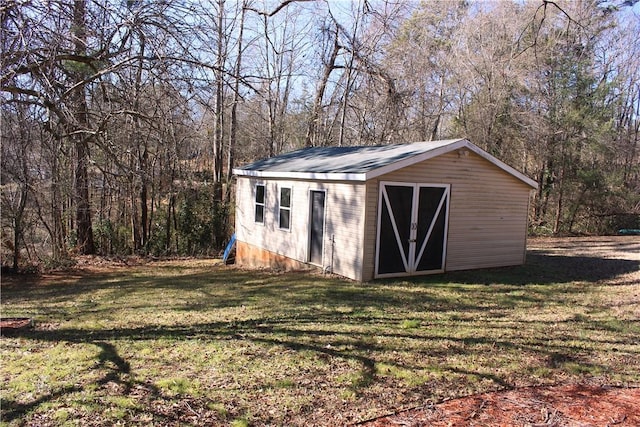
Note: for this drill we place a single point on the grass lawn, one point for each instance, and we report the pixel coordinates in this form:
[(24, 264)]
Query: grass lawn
[(195, 343)]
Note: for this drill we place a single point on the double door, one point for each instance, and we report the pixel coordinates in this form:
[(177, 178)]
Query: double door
[(412, 228)]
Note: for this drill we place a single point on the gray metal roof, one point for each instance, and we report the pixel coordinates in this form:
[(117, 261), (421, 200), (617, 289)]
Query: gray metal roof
[(359, 163), (343, 160)]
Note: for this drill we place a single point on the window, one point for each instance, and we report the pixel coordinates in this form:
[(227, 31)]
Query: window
[(285, 208), (260, 193)]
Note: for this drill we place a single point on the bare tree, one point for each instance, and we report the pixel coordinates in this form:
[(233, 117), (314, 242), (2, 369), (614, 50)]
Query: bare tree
[(17, 180), (328, 65)]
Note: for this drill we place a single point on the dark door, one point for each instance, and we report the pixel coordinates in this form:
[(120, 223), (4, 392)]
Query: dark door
[(412, 228), (394, 243), (316, 237), (431, 224)]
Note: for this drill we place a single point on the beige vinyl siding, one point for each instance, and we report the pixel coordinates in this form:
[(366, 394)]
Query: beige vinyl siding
[(370, 230), (487, 212), (344, 216), (344, 208)]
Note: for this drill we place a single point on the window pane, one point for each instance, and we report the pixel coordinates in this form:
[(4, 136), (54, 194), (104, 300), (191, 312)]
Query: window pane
[(260, 213), (259, 193), (284, 218), (285, 197)]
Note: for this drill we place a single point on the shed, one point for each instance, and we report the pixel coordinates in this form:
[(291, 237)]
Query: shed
[(382, 211)]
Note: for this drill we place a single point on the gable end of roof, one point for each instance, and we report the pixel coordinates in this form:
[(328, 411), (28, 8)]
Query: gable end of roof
[(406, 155), (453, 146)]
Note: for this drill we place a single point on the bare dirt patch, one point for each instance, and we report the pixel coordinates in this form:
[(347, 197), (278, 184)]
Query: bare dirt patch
[(96, 264), (88, 265), (565, 405), (607, 247), (12, 325), (610, 260)]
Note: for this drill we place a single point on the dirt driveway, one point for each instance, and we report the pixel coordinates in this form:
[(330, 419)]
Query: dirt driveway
[(565, 405), (610, 260), (607, 247)]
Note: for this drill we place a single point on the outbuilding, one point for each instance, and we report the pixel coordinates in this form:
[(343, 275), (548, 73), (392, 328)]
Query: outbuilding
[(382, 211)]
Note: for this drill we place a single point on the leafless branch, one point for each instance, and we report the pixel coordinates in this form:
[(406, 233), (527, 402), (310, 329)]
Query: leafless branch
[(281, 6)]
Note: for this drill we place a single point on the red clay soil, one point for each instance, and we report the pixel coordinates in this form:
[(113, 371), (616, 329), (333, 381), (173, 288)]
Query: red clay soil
[(12, 325), (559, 406)]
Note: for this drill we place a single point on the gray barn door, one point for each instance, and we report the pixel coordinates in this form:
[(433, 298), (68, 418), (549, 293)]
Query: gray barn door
[(316, 233), (412, 229)]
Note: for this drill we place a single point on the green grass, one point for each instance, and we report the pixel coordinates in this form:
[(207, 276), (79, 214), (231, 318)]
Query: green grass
[(196, 344)]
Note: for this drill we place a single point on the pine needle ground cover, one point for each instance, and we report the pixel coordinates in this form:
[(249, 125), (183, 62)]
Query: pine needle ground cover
[(198, 343)]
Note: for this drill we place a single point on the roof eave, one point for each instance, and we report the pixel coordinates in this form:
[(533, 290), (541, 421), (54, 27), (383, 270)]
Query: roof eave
[(392, 167), (316, 176)]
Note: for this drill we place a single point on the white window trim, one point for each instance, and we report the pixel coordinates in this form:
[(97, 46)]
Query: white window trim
[(287, 208), (263, 204)]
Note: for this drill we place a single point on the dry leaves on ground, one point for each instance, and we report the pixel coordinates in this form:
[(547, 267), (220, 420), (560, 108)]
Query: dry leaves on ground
[(559, 406)]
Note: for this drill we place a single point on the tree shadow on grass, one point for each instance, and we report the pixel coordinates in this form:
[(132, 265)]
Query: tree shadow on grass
[(362, 349), (553, 268), (319, 333), (300, 327), (542, 268), (117, 372)]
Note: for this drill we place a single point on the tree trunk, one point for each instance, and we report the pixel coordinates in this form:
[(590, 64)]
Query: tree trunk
[(85, 242), (144, 216), (141, 144), (84, 227), (312, 128), (234, 108), (436, 124), (170, 209), (18, 225), (58, 228), (219, 106)]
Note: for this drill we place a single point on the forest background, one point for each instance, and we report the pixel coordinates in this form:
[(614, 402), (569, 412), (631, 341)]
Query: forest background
[(121, 120)]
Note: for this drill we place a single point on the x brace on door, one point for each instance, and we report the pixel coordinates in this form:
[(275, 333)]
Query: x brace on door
[(412, 228)]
